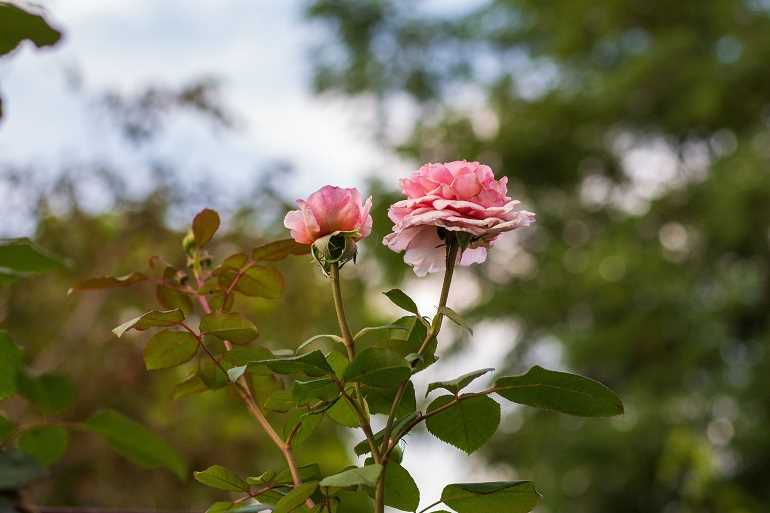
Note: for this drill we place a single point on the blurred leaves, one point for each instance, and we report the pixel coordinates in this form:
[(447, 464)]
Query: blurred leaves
[(134, 442), (21, 257), (50, 393), (17, 469), (17, 25), (10, 363), (46, 444)]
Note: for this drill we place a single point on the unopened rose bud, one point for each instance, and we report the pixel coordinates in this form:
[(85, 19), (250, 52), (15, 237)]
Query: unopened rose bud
[(336, 248)]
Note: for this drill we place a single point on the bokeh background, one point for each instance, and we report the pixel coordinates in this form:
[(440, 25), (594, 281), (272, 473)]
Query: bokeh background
[(638, 130)]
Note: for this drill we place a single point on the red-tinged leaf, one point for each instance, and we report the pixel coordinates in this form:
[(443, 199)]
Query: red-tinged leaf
[(109, 282), (279, 250), (153, 319), (205, 225)]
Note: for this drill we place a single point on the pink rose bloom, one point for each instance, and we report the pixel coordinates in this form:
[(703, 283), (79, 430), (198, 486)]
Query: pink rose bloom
[(330, 209), (459, 196)]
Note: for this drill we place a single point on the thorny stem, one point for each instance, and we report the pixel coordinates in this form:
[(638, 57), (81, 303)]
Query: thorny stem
[(248, 398)]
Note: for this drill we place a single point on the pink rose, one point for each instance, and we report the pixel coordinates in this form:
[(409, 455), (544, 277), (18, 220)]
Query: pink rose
[(458, 196), (330, 209)]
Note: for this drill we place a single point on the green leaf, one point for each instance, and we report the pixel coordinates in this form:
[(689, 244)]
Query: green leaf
[(47, 444), (10, 363), (211, 375), (263, 478), (21, 257), (261, 281), (354, 502), (295, 498), (169, 348), (343, 413), (455, 385), (17, 24), (455, 318), (229, 326), (221, 478), (18, 469), (315, 338), (324, 389), (508, 496), (50, 393), (380, 400), (401, 491), (153, 319), (307, 425), (170, 298), (407, 343), (375, 329), (378, 367), (467, 424), (236, 261), (367, 476), (205, 224), (6, 428), (362, 447), (309, 472), (312, 364), (280, 401), (560, 391), (399, 298), (338, 362), (279, 250), (242, 355), (109, 282), (191, 385), (134, 442)]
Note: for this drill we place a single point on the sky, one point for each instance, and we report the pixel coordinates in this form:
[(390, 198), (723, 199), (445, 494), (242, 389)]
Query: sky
[(260, 50)]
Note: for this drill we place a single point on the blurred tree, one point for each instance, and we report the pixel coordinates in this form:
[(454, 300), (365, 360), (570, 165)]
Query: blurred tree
[(18, 25), (72, 334), (638, 131)]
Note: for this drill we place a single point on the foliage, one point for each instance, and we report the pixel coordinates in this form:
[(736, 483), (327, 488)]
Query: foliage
[(338, 385), (43, 442), (638, 132), (17, 25)]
